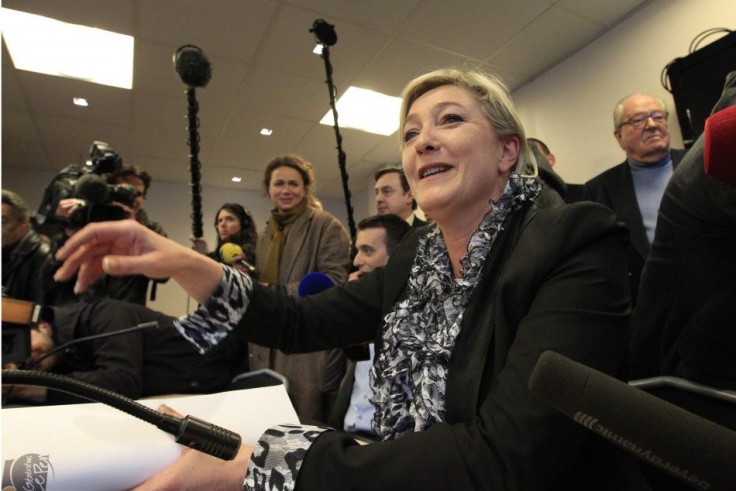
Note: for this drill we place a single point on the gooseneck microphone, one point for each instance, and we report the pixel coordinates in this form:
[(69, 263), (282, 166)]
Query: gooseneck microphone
[(686, 446), (189, 431)]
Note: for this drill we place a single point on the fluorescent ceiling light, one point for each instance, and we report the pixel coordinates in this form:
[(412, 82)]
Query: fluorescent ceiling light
[(43, 45), (236, 179), (366, 110), (266, 131), (317, 49), (80, 101)]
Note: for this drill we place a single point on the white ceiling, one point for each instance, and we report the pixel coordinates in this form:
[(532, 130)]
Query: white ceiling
[(265, 75)]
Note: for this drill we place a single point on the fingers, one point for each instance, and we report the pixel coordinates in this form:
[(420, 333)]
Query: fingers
[(164, 409), (85, 250), (85, 260)]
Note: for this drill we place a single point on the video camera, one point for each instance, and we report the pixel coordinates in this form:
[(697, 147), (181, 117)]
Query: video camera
[(86, 183)]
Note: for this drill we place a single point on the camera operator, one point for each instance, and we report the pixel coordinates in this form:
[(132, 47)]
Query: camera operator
[(141, 181), (64, 195), (104, 190)]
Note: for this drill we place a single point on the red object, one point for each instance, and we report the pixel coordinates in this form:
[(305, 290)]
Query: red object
[(719, 146)]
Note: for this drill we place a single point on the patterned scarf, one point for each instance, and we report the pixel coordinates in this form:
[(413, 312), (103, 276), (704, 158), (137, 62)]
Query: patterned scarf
[(409, 375), (278, 227)]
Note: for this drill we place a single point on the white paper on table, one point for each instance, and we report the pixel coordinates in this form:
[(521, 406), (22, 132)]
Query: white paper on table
[(97, 447)]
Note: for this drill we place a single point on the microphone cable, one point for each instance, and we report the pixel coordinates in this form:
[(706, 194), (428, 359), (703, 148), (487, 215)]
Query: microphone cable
[(65, 347)]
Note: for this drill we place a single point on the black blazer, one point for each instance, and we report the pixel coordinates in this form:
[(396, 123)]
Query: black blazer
[(614, 188), (555, 281)]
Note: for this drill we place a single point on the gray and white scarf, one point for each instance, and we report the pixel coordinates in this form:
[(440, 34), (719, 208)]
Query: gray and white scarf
[(409, 375)]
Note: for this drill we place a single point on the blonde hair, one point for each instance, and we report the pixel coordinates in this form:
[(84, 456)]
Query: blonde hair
[(493, 97)]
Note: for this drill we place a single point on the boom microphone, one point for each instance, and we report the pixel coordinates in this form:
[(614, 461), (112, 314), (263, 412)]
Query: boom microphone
[(681, 443), (192, 65), (719, 146), (323, 32)]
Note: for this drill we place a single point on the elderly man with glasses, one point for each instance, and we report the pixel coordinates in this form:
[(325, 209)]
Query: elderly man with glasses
[(634, 188)]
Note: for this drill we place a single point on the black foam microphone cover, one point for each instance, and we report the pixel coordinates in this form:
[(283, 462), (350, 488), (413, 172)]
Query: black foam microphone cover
[(324, 32), (679, 442), (192, 65), (91, 188)]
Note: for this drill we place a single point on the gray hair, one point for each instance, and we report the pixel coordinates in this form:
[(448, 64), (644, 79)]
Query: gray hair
[(618, 111), (492, 95)]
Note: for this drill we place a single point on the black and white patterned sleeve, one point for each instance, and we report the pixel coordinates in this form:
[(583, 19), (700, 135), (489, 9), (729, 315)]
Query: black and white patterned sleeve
[(276, 460), (213, 320)]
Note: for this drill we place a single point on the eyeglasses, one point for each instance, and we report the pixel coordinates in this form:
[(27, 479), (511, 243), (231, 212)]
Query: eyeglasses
[(639, 120)]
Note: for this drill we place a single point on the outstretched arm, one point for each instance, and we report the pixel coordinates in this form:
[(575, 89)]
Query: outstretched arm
[(126, 248)]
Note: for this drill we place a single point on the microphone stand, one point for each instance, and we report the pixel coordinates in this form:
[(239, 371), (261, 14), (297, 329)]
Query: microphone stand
[(317, 28), (195, 165)]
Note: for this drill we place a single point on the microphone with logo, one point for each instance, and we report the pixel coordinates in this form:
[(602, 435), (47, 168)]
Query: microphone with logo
[(229, 252), (662, 434)]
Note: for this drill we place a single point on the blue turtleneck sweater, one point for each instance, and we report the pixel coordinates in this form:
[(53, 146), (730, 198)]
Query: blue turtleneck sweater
[(650, 181)]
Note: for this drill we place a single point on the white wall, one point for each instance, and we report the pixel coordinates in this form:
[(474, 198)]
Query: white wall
[(570, 107)]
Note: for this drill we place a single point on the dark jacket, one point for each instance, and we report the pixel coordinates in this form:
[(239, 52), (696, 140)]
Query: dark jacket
[(152, 362), (555, 281), (614, 188), (684, 324), (22, 267)]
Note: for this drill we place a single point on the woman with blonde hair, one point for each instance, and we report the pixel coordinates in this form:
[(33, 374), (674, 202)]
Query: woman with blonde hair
[(460, 315)]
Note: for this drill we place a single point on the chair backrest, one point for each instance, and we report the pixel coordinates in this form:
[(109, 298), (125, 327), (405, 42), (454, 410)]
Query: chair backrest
[(717, 405), (264, 377)]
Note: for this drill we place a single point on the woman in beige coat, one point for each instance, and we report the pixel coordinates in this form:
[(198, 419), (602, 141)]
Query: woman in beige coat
[(300, 239)]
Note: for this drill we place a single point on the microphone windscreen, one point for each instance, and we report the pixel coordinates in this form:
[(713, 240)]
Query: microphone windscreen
[(681, 443), (192, 65), (324, 32), (314, 283), (92, 188), (719, 146), (228, 251)]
